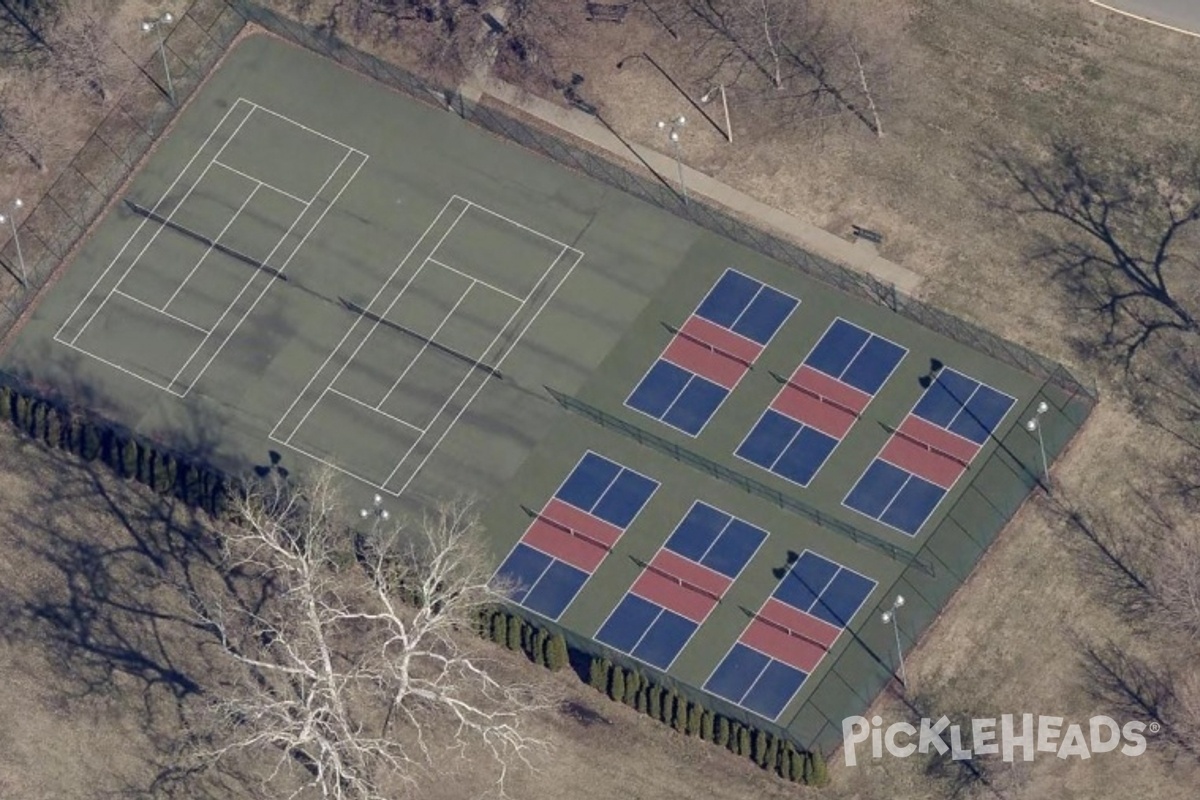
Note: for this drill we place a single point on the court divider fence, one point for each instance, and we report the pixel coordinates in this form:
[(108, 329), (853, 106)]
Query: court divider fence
[(736, 478)]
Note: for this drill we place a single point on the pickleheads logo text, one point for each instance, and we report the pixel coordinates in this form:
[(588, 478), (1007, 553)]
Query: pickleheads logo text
[(990, 736)]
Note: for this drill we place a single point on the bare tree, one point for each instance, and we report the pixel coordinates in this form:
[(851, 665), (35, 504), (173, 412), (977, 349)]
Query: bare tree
[(796, 59), (88, 57), (1177, 581), (1122, 239), (361, 676), (30, 127), (461, 36), (23, 25)]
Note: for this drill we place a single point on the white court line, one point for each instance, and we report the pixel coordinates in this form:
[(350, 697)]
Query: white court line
[(497, 366), (352, 328), (379, 317), (156, 310), (392, 417), (621, 468), (742, 313), (209, 250), (330, 464), (279, 271), (302, 126), (117, 367), (473, 279), (825, 651), (425, 346), (262, 183), (513, 222), (161, 226), (1147, 20), (142, 224)]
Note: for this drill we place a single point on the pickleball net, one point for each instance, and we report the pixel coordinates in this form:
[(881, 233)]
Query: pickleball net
[(578, 534), (686, 584), (712, 348), (932, 448), (829, 401), (781, 627)]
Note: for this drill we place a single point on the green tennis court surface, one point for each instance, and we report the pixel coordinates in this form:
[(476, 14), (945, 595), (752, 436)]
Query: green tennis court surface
[(693, 458)]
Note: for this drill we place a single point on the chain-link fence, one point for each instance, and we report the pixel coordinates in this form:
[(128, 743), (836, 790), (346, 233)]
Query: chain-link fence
[(653, 189), (203, 33), (45, 236)]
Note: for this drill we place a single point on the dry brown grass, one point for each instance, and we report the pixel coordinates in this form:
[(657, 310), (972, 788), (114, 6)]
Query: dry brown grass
[(975, 74)]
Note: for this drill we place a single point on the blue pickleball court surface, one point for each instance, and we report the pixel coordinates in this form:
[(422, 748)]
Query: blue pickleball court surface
[(600, 488), (706, 537), (964, 406), (647, 631), (686, 400), (717, 540), (856, 356), (746, 306), (793, 441)]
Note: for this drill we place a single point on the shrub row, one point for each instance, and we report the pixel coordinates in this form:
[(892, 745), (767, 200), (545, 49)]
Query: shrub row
[(130, 456), (662, 703), (691, 719), (516, 633)]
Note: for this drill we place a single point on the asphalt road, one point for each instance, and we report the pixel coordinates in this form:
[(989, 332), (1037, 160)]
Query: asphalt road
[(1180, 14)]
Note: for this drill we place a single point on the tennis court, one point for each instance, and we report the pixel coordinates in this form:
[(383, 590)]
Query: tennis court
[(312, 271)]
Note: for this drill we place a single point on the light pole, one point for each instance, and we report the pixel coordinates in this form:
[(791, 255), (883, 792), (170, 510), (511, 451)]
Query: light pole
[(11, 217), (708, 96), (376, 510), (1034, 425), (672, 130), (156, 25), (890, 616)]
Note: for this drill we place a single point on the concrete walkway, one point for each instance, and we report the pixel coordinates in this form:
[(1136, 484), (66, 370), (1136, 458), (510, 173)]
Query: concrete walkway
[(860, 255)]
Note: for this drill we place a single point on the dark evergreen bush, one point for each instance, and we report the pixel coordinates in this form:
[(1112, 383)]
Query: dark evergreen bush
[(515, 625), (721, 737), (616, 683), (654, 698), (557, 656)]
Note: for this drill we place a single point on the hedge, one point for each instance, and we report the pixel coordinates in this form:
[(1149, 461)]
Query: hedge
[(90, 438), (632, 688)]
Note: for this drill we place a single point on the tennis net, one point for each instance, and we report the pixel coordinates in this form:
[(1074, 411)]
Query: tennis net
[(166, 222)]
